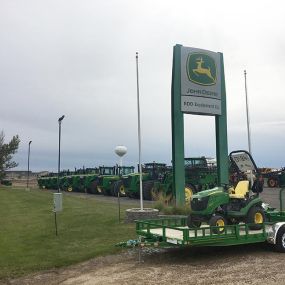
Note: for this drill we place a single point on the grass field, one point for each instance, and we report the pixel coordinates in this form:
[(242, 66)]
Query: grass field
[(86, 227)]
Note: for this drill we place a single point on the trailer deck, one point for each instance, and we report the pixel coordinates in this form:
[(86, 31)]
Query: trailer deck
[(174, 231)]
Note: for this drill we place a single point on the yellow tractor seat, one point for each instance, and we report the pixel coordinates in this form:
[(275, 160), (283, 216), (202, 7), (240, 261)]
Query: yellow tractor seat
[(240, 191)]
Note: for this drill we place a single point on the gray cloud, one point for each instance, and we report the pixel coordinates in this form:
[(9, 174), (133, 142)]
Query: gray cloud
[(78, 58)]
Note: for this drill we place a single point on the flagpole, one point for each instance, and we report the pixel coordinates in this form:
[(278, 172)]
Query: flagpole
[(247, 115), (139, 132), (248, 124)]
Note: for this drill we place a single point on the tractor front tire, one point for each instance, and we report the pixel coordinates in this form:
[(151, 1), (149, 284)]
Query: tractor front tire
[(191, 223), (218, 221), (255, 217)]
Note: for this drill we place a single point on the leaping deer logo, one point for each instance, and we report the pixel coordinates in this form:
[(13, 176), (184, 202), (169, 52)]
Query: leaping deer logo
[(201, 70)]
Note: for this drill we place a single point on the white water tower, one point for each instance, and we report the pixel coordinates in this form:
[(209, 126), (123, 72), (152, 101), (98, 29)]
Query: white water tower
[(121, 150)]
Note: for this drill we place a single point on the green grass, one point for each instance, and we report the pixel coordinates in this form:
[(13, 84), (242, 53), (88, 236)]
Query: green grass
[(86, 228)]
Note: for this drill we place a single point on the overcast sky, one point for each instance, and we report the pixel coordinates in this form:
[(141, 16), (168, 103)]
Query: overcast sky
[(77, 58)]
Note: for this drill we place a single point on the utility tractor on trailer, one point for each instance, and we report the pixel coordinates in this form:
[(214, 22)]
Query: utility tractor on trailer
[(174, 232), (230, 216), (231, 205)]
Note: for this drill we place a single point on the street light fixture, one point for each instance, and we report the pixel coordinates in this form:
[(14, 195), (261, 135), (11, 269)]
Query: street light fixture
[(29, 164), (59, 139)]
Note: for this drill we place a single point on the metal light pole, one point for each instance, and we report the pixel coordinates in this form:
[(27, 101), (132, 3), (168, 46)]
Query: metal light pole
[(59, 139), (248, 124), (58, 171), (247, 115), (29, 164), (139, 131)]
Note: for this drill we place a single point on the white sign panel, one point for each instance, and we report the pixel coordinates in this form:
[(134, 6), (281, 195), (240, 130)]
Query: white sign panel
[(57, 202), (243, 162), (200, 81)]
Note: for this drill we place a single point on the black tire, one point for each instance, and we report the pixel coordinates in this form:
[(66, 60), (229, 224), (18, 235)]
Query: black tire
[(107, 192), (92, 189), (192, 223), (119, 188), (271, 182), (216, 221), (255, 217), (280, 240), (147, 189), (155, 194)]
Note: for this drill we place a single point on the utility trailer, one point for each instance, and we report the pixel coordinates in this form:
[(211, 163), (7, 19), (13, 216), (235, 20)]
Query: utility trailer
[(175, 232), (166, 232)]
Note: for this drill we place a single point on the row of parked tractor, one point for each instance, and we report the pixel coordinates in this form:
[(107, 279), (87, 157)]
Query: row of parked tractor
[(157, 180)]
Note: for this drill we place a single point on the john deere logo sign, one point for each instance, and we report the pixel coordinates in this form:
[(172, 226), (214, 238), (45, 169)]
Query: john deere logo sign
[(200, 81), (201, 69)]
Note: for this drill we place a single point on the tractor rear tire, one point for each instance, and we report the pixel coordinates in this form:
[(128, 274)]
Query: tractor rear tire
[(271, 182), (218, 221), (107, 192), (189, 189), (280, 240), (147, 189), (255, 217), (119, 188), (93, 187), (155, 194)]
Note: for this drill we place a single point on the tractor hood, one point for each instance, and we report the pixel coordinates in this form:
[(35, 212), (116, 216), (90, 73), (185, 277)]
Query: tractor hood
[(205, 202), (209, 192)]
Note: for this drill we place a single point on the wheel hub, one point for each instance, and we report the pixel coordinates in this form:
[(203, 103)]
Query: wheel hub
[(258, 218), (188, 195), (122, 190), (220, 223)]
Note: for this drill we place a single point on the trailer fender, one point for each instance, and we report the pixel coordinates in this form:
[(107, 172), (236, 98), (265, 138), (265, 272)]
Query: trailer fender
[(273, 231)]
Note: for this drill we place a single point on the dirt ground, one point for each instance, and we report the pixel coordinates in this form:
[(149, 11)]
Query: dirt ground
[(250, 264), (246, 264)]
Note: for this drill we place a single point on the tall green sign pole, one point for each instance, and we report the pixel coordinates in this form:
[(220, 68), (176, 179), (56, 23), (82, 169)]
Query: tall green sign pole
[(198, 87)]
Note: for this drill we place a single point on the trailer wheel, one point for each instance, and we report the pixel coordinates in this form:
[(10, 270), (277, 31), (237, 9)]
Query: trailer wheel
[(280, 240), (147, 187), (255, 217), (271, 182), (218, 221)]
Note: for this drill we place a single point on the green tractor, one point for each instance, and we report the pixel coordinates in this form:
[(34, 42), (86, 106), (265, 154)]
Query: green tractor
[(220, 206), (200, 174), (110, 180), (151, 172), (157, 182)]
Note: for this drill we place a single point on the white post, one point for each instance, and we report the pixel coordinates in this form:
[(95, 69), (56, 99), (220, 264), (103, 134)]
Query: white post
[(139, 132), (248, 124)]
